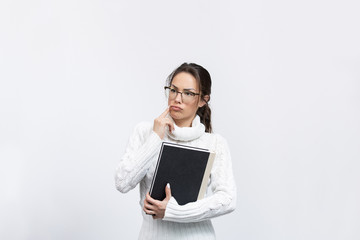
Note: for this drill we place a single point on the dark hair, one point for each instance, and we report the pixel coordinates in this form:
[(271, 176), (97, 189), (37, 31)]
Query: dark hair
[(203, 79)]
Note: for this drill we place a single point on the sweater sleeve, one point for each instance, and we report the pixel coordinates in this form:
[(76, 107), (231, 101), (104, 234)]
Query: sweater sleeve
[(223, 199), (142, 146)]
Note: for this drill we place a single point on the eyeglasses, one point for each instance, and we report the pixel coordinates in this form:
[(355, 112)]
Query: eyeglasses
[(186, 96)]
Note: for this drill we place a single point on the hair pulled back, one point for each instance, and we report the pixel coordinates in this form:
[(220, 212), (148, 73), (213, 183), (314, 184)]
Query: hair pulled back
[(203, 79)]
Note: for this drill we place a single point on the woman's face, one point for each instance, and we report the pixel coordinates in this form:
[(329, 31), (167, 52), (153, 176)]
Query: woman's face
[(183, 108)]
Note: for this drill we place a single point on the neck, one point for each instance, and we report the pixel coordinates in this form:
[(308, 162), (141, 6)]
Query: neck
[(186, 130)]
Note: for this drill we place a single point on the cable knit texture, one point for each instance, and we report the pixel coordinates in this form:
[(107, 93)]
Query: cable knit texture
[(192, 220)]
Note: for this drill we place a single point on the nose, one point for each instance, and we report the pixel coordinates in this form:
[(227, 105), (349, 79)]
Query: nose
[(178, 97)]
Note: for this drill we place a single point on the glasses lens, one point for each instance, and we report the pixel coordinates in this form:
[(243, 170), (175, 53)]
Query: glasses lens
[(170, 93), (188, 96)]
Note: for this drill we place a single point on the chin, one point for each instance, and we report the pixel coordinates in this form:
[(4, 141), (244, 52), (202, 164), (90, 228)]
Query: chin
[(175, 115), (178, 117)]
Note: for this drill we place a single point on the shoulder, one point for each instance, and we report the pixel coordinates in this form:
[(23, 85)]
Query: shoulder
[(217, 140), (143, 128), (144, 125)]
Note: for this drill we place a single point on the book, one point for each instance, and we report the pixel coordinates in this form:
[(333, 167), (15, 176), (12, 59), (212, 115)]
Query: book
[(187, 170)]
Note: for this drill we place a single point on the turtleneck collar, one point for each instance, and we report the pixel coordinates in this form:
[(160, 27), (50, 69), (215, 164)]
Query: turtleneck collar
[(186, 133)]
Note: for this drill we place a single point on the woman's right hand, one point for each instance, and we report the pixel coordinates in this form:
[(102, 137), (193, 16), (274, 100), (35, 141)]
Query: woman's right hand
[(161, 123)]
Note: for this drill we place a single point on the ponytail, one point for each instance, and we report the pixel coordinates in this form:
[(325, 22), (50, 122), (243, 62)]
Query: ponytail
[(204, 113)]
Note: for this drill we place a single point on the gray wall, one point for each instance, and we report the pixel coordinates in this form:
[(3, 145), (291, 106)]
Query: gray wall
[(76, 76)]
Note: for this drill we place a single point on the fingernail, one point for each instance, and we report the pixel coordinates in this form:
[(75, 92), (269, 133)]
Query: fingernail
[(168, 185)]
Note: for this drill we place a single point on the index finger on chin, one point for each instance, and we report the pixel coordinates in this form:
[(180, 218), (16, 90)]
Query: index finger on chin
[(165, 112)]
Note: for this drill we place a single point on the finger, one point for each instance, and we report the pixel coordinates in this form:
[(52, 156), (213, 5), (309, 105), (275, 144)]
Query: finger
[(146, 202), (165, 112), (169, 123), (148, 198), (151, 200), (170, 126), (148, 206), (168, 191), (149, 212)]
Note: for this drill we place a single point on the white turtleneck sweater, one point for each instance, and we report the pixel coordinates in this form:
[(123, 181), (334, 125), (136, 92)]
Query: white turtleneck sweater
[(192, 220)]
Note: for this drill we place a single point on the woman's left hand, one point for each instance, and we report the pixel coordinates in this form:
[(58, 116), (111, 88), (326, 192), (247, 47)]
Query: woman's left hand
[(155, 207)]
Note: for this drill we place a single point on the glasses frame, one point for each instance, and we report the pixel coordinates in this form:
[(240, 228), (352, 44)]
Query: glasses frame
[(177, 92)]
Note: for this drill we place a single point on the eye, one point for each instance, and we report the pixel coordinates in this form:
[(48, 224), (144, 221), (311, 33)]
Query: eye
[(190, 94), (172, 90)]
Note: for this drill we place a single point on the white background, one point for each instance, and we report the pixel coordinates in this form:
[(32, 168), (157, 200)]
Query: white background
[(77, 76)]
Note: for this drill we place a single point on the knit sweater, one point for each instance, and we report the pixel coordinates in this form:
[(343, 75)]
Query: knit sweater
[(192, 220)]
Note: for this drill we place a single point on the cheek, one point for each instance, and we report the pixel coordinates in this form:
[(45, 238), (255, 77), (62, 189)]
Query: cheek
[(191, 108)]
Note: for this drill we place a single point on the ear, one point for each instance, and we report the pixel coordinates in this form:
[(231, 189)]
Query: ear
[(204, 100)]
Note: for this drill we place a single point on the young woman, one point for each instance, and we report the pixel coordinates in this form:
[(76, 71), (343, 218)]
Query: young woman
[(187, 120)]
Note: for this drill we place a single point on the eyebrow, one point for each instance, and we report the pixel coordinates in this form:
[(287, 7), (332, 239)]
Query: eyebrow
[(184, 88)]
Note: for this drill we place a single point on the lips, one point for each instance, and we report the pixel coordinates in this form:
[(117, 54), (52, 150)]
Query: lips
[(175, 108)]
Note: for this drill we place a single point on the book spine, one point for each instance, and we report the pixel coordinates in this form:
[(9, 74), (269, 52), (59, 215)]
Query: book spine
[(206, 176)]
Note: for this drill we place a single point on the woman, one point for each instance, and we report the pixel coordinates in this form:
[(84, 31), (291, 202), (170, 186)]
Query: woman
[(187, 120)]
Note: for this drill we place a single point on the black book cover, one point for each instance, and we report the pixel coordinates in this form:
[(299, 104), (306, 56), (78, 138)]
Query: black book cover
[(185, 168)]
